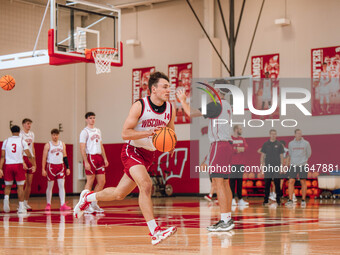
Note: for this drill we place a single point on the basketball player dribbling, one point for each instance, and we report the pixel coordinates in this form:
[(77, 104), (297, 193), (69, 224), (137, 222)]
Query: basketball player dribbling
[(28, 136), (94, 158), (146, 116), (55, 156), (324, 81), (221, 152), (12, 151)]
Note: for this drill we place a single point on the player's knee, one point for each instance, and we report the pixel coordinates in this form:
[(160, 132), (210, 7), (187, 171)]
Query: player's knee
[(146, 187), (119, 196)]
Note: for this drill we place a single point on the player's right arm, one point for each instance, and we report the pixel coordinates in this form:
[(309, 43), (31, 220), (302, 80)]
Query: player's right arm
[(2, 161), (84, 156), (191, 112), (129, 132), (44, 159)]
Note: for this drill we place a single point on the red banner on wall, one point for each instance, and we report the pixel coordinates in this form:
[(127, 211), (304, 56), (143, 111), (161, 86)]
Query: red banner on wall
[(325, 81), (140, 79), (180, 76), (265, 70)]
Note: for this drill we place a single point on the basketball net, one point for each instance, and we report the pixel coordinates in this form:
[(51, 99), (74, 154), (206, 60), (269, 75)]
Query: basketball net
[(103, 58)]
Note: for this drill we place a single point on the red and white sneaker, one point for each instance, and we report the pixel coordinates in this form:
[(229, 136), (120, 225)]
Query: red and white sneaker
[(82, 205), (161, 234)]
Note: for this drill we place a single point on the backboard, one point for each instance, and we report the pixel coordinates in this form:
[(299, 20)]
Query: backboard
[(79, 25)]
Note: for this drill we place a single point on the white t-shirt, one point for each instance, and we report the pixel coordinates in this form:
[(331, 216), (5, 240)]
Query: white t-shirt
[(14, 148), (29, 139), (92, 139), (55, 153)]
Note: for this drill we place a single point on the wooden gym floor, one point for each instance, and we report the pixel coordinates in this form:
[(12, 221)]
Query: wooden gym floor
[(122, 230)]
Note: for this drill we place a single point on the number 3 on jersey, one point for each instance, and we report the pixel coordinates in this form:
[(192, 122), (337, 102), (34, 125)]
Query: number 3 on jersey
[(14, 150), (167, 116)]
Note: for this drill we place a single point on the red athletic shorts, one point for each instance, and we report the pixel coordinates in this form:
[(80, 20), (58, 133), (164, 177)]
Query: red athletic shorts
[(55, 171), (132, 156), (97, 164), (14, 172), (28, 164), (221, 153)]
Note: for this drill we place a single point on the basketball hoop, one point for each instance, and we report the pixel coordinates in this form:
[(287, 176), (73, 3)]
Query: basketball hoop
[(103, 57)]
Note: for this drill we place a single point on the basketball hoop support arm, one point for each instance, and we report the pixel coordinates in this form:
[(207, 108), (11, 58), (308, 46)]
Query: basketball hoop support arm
[(41, 25)]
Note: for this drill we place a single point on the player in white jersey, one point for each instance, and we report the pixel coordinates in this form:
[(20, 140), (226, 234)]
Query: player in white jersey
[(221, 152), (12, 150), (324, 91), (55, 156), (145, 117), (28, 136), (94, 158), (267, 91)]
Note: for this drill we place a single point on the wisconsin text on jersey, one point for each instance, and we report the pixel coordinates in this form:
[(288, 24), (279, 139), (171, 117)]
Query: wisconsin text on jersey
[(153, 123)]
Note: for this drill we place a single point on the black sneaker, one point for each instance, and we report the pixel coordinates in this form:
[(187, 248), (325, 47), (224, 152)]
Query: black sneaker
[(222, 226)]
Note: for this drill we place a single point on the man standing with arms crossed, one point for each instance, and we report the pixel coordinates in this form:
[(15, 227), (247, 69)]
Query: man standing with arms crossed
[(12, 150), (221, 152), (28, 136), (94, 158), (299, 153), (272, 158), (138, 154)]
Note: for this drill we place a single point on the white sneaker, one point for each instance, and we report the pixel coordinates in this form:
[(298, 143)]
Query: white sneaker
[(161, 234), (242, 203), (233, 203), (7, 209), (27, 206), (272, 196), (96, 208), (22, 210), (294, 198), (208, 198)]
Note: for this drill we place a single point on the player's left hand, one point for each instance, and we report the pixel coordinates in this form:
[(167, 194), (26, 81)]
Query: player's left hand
[(68, 172), (33, 169), (106, 163), (24, 166)]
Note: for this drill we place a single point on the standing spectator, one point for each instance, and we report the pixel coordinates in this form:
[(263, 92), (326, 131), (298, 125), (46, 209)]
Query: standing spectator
[(239, 146), (271, 159), (299, 153)]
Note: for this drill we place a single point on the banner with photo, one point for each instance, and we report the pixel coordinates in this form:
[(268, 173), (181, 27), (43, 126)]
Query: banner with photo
[(325, 81), (265, 70), (140, 79), (180, 76)]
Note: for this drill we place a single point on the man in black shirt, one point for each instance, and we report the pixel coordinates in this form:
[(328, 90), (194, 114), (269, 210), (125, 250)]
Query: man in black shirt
[(271, 160)]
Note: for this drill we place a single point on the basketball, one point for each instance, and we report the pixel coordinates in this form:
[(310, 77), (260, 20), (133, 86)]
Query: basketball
[(164, 139), (315, 183), (308, 183), (259, 184), (250, 184), (297, 192), (309, 192), (244, 192), (7, 82)]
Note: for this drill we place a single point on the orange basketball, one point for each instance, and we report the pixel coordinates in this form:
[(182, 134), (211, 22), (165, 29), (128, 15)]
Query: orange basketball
[(315, 192), (251, 176), (244, 192), (300, 192), (308, 183), (250, 183), (259, 184), (296, 191), (244, 183), (309, 192), (287, 192), (164, 139), (7, 82), (315, 183)]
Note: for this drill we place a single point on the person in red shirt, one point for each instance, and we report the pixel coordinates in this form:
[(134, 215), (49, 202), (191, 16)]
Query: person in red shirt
[(238, 160)]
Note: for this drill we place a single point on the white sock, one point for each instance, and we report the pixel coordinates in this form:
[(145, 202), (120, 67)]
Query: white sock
[(61, 186), (21, 204), (226, 216), (49, 191), (6, 197), (91, 197), (152, 226), (25, 202)]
